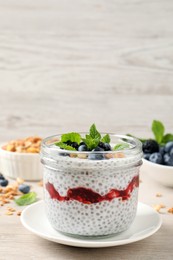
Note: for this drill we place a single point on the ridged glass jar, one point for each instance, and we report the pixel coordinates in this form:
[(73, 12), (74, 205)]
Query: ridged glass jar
[(91, 197)]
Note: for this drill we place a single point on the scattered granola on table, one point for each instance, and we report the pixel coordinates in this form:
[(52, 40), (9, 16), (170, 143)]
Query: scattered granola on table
[(159, 207), (10, 192), (170, 210), (158, 194)]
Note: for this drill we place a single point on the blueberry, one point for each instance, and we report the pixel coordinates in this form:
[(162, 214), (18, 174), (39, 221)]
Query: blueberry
[(156, 158), (171, 151), (74, 145), (82, 148), (98, 149), (95, 156), (63, 154), (24, 188), (162, 150), (150, 146), (146, 156), (105, 146), (168, 147), (168, 159), (68, 142), (1, 177), (3, 182), (81, 143)]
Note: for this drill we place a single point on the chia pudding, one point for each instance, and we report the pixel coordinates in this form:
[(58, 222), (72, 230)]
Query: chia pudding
[(91, 197)]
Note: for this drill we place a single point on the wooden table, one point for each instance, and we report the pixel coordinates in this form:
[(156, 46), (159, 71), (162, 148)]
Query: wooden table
[(67, 64)]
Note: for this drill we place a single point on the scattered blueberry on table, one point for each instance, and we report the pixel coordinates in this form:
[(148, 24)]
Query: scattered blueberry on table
[(24, 188), (3, 182)]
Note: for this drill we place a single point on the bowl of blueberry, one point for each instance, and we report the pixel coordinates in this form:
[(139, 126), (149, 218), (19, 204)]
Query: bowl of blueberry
[(91, 181), (158, 155)]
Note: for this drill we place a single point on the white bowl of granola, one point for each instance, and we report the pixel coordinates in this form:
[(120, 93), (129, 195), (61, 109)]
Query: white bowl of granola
[(20, 158)]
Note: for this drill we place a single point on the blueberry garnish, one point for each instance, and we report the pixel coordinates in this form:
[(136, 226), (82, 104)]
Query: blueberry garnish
[(168, 159), (150, 146), (156, 158), (105, 146), (74, 145), (162, 150), (3, 182), (82, 148), (146, 156), (168, 147), (96, 156), (24, 188), (98, 149)]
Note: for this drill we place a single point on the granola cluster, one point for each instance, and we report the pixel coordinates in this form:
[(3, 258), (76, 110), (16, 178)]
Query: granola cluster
[(28, 145)]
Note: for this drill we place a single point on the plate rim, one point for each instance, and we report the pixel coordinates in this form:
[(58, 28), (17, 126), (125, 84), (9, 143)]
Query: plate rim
[(76, 242)]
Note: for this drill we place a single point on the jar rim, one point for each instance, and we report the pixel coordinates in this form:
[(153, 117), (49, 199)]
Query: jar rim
[(135, 148)]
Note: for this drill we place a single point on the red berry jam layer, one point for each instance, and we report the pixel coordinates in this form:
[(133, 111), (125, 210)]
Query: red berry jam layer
[(88, 196)]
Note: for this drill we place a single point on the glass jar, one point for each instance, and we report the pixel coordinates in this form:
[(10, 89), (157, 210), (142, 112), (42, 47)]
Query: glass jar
[(91, 193)]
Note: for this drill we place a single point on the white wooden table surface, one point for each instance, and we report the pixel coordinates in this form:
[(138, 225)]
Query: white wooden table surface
[(66, 64)]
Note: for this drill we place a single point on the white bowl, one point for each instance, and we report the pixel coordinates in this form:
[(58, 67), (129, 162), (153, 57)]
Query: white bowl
[(23, 165), (161, 173)]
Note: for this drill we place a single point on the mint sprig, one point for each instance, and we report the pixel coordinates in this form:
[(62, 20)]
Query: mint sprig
[(94, 133), (159, 133), (72, 137), (121, 147), (158, 130), (91, 140), (106, 139), (26, 199), (65, 146)]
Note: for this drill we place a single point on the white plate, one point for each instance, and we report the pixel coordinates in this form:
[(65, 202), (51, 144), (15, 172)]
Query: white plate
[(146, 223)]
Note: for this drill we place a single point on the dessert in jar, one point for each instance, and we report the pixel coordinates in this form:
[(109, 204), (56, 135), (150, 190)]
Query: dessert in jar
[(91, 182)]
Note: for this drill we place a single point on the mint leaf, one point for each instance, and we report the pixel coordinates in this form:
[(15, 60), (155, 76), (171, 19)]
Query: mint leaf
[(121, 146), (106, 139), (72, 137), (65, 146), (94, 133), (158, 130), (167, 138), (26, 199), (90, 142)]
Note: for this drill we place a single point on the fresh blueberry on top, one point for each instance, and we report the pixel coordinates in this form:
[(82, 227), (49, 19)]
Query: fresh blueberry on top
[(96, 156), (82, 148), (105, 146), (168, 147), (98, 149), (81, 143), (168, 159), (150, 146), (146, 156), (162, 150), (68, 142), (74, 145), (3, 182), (63, 154), (24, 188), (156, 158), (1, 177), (171, 151)]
